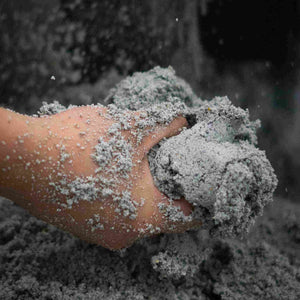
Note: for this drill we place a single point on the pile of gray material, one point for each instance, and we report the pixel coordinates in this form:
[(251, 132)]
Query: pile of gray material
[(214, 164), (39, 261), (156, 86)]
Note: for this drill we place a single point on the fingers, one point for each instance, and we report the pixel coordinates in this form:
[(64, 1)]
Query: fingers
[(158, 210), (164, 131), (176, 215)]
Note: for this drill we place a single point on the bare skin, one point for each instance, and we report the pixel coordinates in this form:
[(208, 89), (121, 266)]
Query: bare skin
[(29, 159)]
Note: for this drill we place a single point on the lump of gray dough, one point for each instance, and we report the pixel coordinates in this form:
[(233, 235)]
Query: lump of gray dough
[(216, 166)]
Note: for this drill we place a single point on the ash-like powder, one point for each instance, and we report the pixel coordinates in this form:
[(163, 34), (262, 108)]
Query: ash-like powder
[(40, 261), (156, 86), (214, 164), (48, 109)]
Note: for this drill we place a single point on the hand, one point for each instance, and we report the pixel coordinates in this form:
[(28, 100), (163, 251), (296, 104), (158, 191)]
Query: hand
[(44, 158)]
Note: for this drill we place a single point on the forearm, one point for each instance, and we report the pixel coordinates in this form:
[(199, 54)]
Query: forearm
[(34, 152), (17, 151), (13, 128)]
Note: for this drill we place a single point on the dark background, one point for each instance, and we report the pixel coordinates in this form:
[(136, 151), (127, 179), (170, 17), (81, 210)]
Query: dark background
[(248, 50)]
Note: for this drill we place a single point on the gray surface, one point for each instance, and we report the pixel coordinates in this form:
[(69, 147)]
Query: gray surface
[(38, 261), (215, 166)]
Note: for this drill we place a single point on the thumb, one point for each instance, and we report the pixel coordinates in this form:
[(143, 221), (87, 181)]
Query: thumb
[(164, 131)]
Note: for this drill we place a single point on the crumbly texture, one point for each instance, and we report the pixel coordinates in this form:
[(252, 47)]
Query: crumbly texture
[(53, 108), (215, 166), (145, 89), (39, 261), (114, 156)]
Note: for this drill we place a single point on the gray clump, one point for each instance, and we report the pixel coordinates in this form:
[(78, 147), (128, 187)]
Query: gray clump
[(181, 255), (53, 108), (153, 87), (215, 166), (39, 261)]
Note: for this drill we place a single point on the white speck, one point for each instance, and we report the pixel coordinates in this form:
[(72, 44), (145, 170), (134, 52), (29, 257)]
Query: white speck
[(20, 157), (7, 157), (3, 142), (176, 19), (52, 77), (70, 202)]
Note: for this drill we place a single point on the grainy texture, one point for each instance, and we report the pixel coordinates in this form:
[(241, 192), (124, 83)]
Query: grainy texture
[(38, 261), (153, 87), (215, 166)]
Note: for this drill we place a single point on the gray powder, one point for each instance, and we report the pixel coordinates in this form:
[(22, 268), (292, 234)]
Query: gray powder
[(41, 262), (215, 166), (48, 109), (156, 86)]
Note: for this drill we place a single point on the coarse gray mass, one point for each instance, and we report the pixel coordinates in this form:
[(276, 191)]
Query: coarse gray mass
[(156, 86), (214, 164)]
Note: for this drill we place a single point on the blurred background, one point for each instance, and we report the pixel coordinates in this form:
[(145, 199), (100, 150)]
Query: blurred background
[(74, 51)]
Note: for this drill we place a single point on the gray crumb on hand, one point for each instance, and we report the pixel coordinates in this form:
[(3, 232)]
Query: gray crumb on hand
[(215, 164)]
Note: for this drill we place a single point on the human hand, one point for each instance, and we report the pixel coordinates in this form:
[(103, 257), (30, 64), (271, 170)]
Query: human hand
[(51, 167)]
